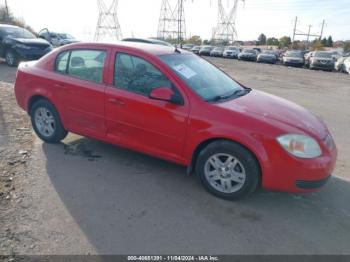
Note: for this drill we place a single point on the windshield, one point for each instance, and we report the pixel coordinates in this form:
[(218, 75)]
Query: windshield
[(231, 48), (294, 54), (201, 76), (66, 36), (206, 47), (218, 49), (249, 51), (323, 54), (17, 32), (268, 52)]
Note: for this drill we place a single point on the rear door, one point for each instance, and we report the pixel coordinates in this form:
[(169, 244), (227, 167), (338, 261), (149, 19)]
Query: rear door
[(133, 119), (81, 90)]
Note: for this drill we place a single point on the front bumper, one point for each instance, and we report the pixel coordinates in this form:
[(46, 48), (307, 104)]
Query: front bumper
[(286, 173), (267, 59), (230, 55), (247, 58), (293, 63), (322, 66), (24, 54)]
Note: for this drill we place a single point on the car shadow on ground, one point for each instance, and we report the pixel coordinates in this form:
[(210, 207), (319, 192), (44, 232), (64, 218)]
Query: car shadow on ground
[(126, 202)]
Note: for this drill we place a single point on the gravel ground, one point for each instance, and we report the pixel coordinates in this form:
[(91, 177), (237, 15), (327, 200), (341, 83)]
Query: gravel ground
[(87, 197)]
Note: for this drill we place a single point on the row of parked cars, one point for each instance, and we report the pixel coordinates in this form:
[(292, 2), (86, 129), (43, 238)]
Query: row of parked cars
[(18, 44), (321, 60)]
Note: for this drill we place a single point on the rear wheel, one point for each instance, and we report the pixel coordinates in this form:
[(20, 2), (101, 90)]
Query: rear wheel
[(228, 170), (46, 122), (11, 58)]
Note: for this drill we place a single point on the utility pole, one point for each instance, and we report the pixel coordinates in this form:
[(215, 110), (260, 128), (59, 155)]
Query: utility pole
[(294, 31), (179, 23), (7, 11), (308, 34), (322, 29)]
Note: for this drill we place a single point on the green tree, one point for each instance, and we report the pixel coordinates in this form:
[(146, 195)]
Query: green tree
[(195, 40), (330, 41), (262, 39), (317, 45), (272, 41), (285, 41), (347, 47), (324, 41)]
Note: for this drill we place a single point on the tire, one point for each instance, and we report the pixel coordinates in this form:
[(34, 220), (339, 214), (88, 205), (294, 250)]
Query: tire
[(46, 122), (11, 58), (240, 177)]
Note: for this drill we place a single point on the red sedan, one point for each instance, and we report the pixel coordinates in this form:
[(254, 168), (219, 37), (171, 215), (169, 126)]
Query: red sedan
[(176, 106)]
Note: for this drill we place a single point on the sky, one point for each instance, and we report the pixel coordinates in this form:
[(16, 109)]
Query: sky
[(139, 18)]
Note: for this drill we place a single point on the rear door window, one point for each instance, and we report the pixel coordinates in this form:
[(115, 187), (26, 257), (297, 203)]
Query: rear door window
[(87, 65)]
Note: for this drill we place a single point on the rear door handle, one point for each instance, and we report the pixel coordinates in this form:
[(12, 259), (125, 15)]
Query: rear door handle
[(116, 101)]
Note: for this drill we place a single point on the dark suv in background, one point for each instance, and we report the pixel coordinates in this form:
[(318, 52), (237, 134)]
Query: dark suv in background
[(18, 44)]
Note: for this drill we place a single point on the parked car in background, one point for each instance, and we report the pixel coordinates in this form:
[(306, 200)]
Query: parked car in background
[(248, 55), (321, 60), (217, 51), (267, 56), (231, 52), (181, 108), (336, 54), (293, 58), (196, 49), (17, 44), (338, 66), (346, 65), (187, 46), (57, 39), (148, 41), (205, 50)]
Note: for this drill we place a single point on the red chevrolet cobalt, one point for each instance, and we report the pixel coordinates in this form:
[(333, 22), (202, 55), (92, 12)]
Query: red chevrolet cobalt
[(176, 106)]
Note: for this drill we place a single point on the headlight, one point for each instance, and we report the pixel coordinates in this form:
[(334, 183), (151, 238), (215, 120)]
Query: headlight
[(22, 46), (300, 146)]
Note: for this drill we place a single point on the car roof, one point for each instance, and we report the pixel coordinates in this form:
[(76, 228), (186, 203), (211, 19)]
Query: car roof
[(8, 26), (156, 50)]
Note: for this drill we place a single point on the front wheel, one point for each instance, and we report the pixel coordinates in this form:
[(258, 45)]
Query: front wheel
[(46, 122), (228, 170), (11, 58)]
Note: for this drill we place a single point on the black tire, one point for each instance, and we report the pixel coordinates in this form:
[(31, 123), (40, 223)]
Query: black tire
[(11, 58), (243, 155), (59, 131)]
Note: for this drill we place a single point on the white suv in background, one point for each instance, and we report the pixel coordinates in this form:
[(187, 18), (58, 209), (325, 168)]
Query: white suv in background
[(346, 65)]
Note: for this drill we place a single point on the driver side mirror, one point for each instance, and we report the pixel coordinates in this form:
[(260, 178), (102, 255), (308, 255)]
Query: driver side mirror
[(165, 94)]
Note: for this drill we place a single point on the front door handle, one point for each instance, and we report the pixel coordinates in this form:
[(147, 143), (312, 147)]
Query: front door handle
[(116, 101)]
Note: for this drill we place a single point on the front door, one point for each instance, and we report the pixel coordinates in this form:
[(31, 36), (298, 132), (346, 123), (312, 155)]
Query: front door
[(155, 127)]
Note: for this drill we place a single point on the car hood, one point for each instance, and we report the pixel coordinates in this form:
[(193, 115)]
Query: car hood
[(31, 41), (269, 107)]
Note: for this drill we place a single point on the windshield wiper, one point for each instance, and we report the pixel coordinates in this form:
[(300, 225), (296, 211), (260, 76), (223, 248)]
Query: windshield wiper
[(235, 94)]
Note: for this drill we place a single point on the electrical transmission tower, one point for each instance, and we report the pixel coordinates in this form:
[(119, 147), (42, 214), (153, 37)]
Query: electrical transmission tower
[(108, 27), (172, 21), (226, 31)]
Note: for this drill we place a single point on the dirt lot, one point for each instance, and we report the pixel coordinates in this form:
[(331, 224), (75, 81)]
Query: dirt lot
[(87, 197)]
